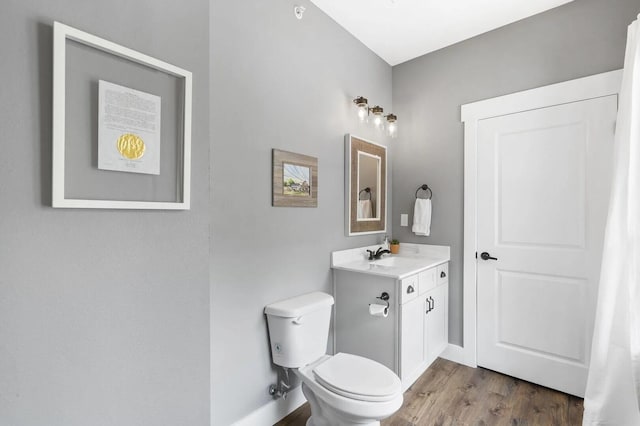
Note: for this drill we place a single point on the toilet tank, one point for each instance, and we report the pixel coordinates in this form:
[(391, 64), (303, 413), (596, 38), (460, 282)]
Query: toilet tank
[(299, 328)]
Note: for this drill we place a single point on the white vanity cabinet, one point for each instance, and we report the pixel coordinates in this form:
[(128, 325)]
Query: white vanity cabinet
[(415, 332), (423, 323)]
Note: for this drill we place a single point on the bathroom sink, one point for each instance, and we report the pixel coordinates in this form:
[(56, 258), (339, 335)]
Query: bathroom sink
[(392, 262)]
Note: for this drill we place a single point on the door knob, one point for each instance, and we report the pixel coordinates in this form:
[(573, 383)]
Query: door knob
[(486, 256)]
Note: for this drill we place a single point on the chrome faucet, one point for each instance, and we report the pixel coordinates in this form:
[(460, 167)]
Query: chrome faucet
[(377, 254)]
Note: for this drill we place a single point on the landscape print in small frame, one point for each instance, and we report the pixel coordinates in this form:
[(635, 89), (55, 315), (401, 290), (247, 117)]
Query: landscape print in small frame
[(296, 180)]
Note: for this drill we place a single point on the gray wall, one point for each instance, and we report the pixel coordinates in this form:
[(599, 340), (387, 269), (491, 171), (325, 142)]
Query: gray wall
[(104, 315), (575, 40), (276, 82)]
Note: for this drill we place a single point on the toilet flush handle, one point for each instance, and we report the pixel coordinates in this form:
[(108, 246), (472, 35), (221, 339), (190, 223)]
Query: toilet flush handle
[(298, 321)]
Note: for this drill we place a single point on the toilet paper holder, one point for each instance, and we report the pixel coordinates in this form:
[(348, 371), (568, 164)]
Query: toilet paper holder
[(384, 297)]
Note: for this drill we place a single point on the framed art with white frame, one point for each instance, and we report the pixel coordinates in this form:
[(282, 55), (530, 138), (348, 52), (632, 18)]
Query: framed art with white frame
[(121, 126)]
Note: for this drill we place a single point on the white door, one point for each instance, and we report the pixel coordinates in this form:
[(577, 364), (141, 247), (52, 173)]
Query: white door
[(543, 186)]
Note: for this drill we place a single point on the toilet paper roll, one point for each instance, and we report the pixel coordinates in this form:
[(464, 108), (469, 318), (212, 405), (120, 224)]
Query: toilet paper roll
[(378, 310)]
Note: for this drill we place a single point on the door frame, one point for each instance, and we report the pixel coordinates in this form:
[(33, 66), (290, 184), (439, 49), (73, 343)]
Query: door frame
[(591, 87)]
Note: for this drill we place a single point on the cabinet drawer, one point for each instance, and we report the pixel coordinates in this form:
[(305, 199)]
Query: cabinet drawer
[(426, 280), (442, 273), (408, 289)]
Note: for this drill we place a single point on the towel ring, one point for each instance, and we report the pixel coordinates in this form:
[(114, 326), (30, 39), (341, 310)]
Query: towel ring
[(425, 187), (367, 190)]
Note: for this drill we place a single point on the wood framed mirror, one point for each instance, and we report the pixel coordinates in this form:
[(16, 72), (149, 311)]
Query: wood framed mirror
[(366, 186)]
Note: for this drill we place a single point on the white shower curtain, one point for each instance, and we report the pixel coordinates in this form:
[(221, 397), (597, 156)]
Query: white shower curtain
[(613, 388)]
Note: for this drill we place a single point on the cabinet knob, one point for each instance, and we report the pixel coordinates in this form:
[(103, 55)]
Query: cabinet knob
[(443, 274), (410, 289)]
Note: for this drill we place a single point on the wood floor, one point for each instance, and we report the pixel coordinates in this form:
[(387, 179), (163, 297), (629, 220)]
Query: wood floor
[(450, 394)]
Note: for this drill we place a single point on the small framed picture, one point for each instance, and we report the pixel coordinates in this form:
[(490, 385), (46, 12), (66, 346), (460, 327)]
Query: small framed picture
[(295, 180)]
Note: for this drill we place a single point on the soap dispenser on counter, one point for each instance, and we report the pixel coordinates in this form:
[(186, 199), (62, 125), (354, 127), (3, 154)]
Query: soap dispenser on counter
[(385, 243)]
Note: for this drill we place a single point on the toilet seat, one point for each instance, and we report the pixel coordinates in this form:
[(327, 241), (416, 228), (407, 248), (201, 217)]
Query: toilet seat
[(358, 378)]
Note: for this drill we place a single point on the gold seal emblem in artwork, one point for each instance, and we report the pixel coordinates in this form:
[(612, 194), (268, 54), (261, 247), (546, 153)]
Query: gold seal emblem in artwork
[(130, 146)]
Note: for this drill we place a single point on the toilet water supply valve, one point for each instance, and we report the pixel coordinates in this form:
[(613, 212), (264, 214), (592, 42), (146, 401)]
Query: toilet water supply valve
[(280, 389)]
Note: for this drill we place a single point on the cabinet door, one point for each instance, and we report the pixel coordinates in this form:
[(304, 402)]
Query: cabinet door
[(436, 333), (411, 346)]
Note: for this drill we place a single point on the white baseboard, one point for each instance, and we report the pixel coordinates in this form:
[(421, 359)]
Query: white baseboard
[(458, 354), (274, 411)]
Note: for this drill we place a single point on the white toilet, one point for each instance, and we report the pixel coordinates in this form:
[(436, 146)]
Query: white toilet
[(342, 389)]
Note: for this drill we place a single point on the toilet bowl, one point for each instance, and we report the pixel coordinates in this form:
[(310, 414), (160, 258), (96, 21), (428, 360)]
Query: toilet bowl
[(342, 389), (349, 390)]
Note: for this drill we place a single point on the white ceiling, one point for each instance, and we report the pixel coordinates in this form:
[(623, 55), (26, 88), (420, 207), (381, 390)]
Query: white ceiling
[(400, 30)]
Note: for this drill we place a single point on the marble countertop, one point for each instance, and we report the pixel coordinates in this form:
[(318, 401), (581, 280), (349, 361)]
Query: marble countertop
[(411, 259)]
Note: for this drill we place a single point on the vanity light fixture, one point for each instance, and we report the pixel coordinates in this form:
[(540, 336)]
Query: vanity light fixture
[(377, 112)]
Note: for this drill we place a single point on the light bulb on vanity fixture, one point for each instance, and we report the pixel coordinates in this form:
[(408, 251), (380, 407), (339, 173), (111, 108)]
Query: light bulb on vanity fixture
[(392, 125), (379, 120), (363, 107)]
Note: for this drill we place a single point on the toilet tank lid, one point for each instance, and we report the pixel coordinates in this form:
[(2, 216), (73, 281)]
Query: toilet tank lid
[(299, 305)]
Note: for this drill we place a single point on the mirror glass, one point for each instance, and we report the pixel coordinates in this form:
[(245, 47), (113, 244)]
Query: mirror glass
[(366, 186), (368, 176)]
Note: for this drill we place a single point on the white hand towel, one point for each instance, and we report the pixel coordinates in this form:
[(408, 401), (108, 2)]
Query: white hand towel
[(422, 217), (365, 209)]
